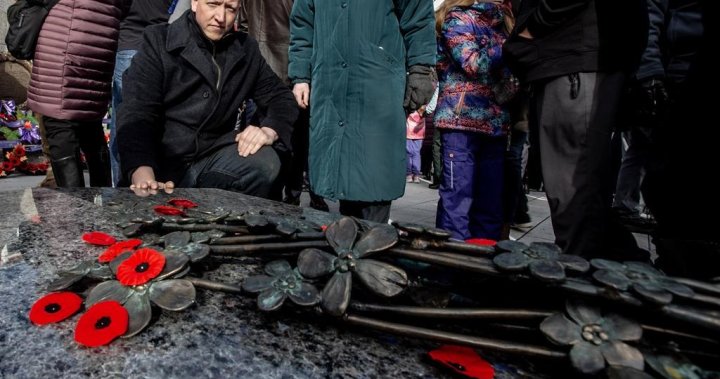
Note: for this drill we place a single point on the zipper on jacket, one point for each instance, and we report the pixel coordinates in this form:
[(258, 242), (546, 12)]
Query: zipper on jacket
[(219, 70), (217, 103)]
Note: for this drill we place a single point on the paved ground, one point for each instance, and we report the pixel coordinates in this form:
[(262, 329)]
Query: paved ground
[(418, 206)]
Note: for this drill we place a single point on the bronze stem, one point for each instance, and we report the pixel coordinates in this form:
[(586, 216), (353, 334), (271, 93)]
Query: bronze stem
[(204, 227), (239, 250), (446, 337), (444, 260), (698, 285), (214, 286), (452, 313)]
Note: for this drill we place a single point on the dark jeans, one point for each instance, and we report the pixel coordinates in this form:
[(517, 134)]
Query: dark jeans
[(471, 199), (122, 63), (575, 115), (226, 169), (377, 211)]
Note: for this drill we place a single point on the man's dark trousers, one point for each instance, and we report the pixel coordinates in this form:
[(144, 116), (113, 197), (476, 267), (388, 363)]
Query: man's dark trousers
[(575, 116), (252, 175)]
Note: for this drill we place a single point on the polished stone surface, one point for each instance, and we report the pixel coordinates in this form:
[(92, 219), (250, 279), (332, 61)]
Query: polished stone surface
[(222, 335)]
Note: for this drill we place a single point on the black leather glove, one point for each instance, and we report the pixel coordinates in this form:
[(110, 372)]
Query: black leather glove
[(419, 88), (652, 97)]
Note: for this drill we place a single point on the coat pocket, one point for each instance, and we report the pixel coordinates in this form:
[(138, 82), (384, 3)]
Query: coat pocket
[(456, 163)]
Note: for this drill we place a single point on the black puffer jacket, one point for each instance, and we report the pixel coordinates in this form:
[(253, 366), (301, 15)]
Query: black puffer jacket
[(572, 36), (177, 110)]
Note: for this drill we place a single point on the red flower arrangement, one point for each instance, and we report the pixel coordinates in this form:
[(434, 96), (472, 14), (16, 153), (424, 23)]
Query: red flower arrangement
[(464, 361), (55, 307), (182, 203), (141, 267), (481, 242), (16, 159), (98, 238), (118, 248), (101, 324), (168, 210)]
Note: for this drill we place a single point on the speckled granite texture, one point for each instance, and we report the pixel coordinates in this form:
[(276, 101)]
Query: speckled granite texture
[(222, 335)]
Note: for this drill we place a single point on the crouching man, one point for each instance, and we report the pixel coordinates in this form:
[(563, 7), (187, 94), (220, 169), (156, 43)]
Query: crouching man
[(183, 98)]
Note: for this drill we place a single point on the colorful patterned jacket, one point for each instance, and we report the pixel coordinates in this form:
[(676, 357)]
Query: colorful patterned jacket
[(469, 62)]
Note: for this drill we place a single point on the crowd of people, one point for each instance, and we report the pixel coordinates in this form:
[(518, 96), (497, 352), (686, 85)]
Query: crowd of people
[(256, 96)]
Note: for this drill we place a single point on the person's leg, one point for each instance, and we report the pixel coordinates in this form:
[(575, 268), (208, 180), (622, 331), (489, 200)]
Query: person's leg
[(49, 181), (376, 211), (437, 159), (513, 174), (253, 175), (64, 152), (293, 175), (575, 116), (122, 62), (97, 156), (409, 165), (486, 212), (456, 188), (416, 172)]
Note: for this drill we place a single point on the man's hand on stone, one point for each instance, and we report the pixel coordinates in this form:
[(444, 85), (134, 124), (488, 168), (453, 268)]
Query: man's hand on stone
[(302, 94), (144, 183), (253, 138)]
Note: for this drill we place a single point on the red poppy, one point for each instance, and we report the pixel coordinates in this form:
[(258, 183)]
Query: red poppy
[(55, 307), (19, 150), (464, 361), (7, 166), (98, 238), (481, 242), (118, 248), (323, 227), (101, 324), (182, 203), (168, 211), (141, 267)]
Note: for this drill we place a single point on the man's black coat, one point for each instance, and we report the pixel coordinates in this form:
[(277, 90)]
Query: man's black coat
[(182, 93)]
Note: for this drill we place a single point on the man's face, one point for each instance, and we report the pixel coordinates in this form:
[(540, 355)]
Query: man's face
[(215, 17)]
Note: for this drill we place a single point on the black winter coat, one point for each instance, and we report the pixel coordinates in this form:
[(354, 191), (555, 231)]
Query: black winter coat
[(177, 107), (572, 36)]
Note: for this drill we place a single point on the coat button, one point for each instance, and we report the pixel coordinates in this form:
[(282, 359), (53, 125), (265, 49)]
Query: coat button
[(344, 65), (344, 5), (452, 155), (341, 123), (206, 94)]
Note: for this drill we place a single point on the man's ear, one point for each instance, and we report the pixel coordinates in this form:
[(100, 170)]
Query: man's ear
[(193, 5)]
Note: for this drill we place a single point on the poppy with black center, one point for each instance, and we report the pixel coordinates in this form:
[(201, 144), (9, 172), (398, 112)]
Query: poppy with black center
[(55, 307), (141, 267), (101, 324)]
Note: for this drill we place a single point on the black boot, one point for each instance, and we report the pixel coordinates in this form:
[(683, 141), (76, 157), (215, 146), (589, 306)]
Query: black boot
[(68, 172), (98, 163)]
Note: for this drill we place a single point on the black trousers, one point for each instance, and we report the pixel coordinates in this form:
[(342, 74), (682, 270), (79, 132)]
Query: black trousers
[(575, 117), (377, 211), (66, 138)]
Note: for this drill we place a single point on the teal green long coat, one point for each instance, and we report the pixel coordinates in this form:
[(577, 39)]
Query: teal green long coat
[(354, 54)]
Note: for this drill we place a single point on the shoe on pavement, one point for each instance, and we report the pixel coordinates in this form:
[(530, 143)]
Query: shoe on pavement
[(521, 226)]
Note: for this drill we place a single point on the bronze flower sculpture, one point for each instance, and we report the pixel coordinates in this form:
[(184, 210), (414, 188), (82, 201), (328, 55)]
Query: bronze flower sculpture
[(351, 260)]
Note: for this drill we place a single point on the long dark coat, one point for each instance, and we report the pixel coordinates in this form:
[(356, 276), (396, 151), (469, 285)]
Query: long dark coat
[(355, 54), (178, 107)]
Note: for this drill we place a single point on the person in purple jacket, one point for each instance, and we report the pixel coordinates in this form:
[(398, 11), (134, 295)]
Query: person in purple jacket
[(70, 86)]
